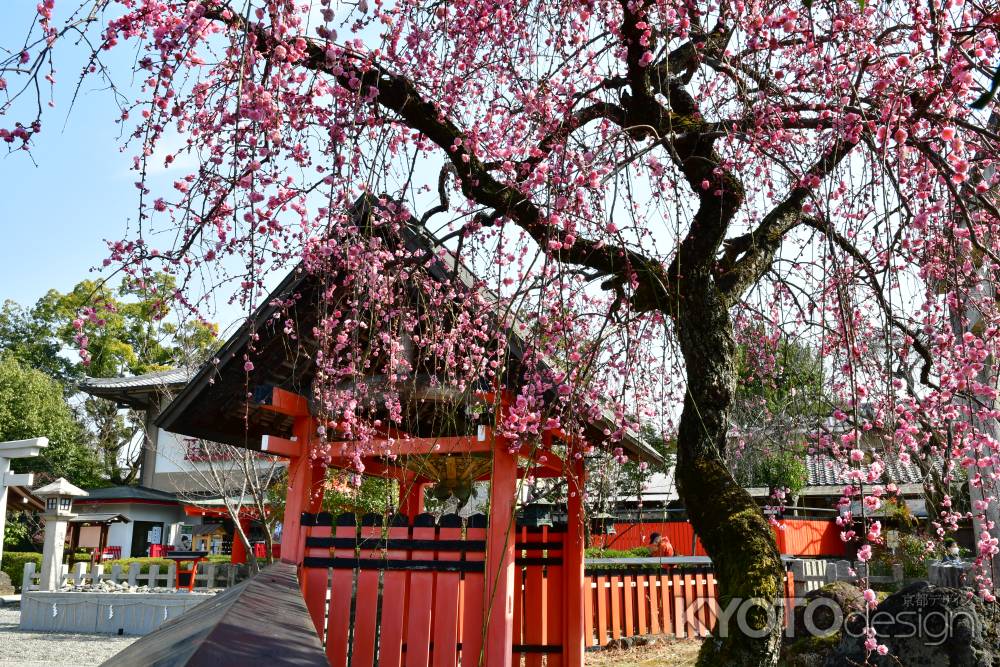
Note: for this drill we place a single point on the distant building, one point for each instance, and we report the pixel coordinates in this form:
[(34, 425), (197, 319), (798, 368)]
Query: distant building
[(155, 517), (171, 504)]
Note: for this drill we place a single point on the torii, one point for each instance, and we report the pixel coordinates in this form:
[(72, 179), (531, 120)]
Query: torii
[(15, 449)]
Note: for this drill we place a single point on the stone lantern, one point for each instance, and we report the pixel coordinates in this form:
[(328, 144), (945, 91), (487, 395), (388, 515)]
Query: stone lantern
[(58, 497)]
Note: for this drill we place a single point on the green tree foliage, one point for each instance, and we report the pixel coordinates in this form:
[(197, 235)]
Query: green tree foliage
[(374, 495), (786, 382), (25, 336), (124, 326), (125, 334), (778, 470), (32, 405), (780, 399)]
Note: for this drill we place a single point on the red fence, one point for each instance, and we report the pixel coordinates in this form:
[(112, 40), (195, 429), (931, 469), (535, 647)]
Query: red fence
[(630, 603), (796, 537), (412, 593), (538, 596)]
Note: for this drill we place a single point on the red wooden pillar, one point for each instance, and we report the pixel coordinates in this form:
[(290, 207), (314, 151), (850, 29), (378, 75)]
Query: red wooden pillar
[(576, 597), (238, 554), (299, 492), (500, 558), (411, 495)]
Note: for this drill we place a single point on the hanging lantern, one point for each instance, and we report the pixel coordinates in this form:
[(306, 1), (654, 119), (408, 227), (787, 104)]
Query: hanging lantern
[(602, 523), (537, 514)]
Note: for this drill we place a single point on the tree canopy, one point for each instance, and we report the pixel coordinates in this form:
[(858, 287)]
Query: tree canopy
[(32, 405), (124, 333)]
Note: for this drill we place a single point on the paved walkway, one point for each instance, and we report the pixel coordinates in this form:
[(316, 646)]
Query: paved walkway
[(42, 649)]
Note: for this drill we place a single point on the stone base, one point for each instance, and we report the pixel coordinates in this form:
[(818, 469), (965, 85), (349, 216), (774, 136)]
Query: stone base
[(6, 588), (104, 613)]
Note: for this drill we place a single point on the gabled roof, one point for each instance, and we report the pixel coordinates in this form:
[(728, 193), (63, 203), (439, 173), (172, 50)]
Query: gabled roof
[(103, 517), (138, 391), (60, 487), (825, 470), (213, 404), (127, 493)]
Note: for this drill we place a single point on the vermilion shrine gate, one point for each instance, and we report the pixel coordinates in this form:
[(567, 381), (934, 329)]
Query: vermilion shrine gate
[(403, 589)]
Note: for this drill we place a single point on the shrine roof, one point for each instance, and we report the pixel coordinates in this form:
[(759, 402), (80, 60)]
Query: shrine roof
[(219, 402)]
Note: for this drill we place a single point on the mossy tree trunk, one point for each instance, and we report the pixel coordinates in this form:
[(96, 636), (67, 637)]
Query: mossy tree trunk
[(731, 526)]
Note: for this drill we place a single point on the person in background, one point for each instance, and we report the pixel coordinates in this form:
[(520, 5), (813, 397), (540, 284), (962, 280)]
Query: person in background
[(951, 551), (662, 548)]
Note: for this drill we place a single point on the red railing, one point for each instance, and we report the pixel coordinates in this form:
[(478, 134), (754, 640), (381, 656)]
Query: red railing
[(795, 537), (160, 550), (673, 601), (111, 552)]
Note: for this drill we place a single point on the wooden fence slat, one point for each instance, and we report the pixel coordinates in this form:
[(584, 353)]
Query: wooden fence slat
[(535, 615), (341, 592), (314, 581), (366, 598), (688, 601), (677, 591), (614, 587), (516, 635), (602, 610), (446, 598), (590, 600), (554, 595), (654, 606), (700, 594), (641, 608), (473, 587), (629, 596), (390, 643), (666, 608), (713, 597), (421, 598)]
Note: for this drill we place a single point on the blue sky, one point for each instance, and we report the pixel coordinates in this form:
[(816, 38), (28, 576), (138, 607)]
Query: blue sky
[(73, 191)]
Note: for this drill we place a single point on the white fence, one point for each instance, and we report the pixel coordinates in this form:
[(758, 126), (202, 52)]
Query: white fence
[(209, 575), (812, 574)]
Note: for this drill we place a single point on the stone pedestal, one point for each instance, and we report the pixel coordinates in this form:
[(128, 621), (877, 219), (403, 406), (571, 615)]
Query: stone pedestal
[(6, 587), (52, 552)]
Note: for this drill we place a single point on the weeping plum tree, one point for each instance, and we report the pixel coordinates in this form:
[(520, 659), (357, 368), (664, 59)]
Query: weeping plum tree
[(640, 182)]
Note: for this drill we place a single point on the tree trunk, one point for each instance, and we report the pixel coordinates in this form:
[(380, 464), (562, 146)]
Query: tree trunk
[(730, 524)]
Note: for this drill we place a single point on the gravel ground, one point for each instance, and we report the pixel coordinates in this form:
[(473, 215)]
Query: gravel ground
[(31, 649), (668, 653)]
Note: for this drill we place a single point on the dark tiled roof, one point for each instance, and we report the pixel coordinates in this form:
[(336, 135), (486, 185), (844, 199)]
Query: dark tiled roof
[(170, 377), (826, 471), (104, 517), (129, 493), (141, 392)]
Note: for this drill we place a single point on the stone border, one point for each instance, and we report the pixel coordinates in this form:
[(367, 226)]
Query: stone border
[(104, 613)]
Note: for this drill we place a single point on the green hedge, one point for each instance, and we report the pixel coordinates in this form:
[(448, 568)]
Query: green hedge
[(13, 564), (635, 552)]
